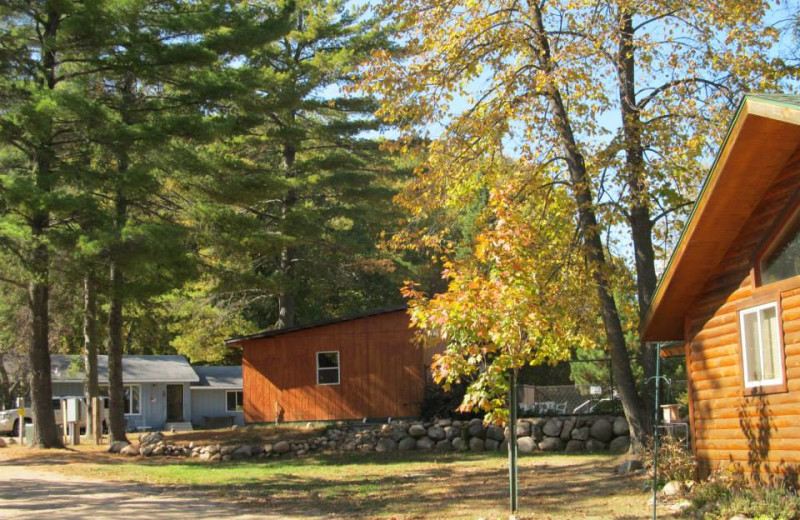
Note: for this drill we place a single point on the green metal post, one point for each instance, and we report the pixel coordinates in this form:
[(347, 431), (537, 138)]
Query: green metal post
[(655, 430), (512, 443)]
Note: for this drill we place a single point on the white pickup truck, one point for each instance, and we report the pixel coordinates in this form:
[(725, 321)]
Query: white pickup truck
[(9, 419)]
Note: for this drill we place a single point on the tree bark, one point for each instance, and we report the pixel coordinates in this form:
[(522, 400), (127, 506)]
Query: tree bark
[(5, 386), (92, 385), (286, 307), (593, 245), (116, 393), (639, 209)]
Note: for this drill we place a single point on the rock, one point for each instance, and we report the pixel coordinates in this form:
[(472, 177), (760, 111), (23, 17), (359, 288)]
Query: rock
[(574, 446), (444, 422), (436, 433), (215, 457), (503, 446), (158, 450), (620, 445), (536, 432), (242, 452), (526, 444), (593, 445), (476, 428), (551, 444), (2, 443), (552, 428), (425, 443), (145, 451), (683, 506), (443, 445), (476, 444), (523, 428), (629, 466), (234, 427), (398, 433), (620, 426), (491, 444), (130, 450), (566, 429), (417, 431), (581, 434), (212, 449), (281, 447), (117, 446), (256, 450), (407, 444), (451, 432), (602, 430), (226, 450), (459, 444), (672, 488), (495, 433), (386, 445), (226, 458), (151, 438)]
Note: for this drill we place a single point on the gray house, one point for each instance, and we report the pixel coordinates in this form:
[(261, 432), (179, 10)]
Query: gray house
[(159, 390), (218, 395)]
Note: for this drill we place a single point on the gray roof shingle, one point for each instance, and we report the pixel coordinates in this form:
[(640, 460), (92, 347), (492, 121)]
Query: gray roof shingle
[(135, 369), (219, 377)]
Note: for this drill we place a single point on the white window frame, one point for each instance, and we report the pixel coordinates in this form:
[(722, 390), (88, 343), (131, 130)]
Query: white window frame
[(757, 310), (130, 399), (235, 409), (338, 366)]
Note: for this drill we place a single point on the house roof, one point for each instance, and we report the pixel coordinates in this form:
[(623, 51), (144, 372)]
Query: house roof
[(763, 135), (135, 369), (234, 342), (219, 378)]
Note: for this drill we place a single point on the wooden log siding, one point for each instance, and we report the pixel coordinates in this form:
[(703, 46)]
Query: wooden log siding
[(382, 372), (758, 433)]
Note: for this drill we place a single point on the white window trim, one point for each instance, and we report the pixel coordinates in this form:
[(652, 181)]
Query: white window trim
[(755, 310), (226, 401), (338, 367), (140, 400)]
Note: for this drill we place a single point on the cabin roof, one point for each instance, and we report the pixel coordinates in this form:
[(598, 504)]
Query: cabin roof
[(763, 135), (135, 369), (235, 342), (219, 377)]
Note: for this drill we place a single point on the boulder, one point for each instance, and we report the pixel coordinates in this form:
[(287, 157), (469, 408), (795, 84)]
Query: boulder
[(523, 428), (536, 432), (130, 450), (425, 443), (117, 446), (157, 450), (476, 428), (672, 488), (495, 433), (242, 452), (452, 432), (2, 443), (602, 430), (443, 445), (593, 445), (566, 429), (552, 428), (620, 445), (281, 447), (385, 445), (398, 433), (267, 448), (151, 438), (444, 422), (226, 450), (407, 444), (436, 433), (459, 444), (212, 449), (620, 426), (526, 445), (145, 451), (476, 444), (574, 446), (551, 444), (503, 446), (580, 434), (417, 431), (491, 444)]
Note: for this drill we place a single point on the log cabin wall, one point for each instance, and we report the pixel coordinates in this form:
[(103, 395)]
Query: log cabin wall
[(381, 372), (758, 433)]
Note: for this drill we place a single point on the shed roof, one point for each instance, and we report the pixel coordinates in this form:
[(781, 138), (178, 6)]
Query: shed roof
[(763, 135), (234, 342), (135, 369), (219, 377)]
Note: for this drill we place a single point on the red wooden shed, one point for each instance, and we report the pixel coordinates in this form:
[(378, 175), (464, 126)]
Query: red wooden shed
[(366, 365), (731, 292)]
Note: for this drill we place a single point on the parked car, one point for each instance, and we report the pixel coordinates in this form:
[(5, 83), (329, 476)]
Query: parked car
[(9, 421)]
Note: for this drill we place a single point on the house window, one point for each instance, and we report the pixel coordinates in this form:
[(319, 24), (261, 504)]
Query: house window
[(132, 395), (782, 260), (761, 346), (235, 400), (328, 368)]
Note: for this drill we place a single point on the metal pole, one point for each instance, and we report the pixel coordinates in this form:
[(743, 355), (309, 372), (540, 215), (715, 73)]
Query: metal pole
[(655, 430), (512, 444)]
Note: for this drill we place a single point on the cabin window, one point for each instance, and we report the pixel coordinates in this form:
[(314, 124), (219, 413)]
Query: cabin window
[(782, 259), (132, 395), (328, 368), (235, 401), (761, 346)]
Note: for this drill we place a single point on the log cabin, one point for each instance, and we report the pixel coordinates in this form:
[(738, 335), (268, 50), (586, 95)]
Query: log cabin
[(731, 295), (361, 366)]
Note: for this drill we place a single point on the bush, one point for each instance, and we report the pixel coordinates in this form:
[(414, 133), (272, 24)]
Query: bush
[(438, 403), (726, 494), (675, 462)]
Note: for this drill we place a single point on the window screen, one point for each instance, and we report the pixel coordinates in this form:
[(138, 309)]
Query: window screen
[(327, 368)]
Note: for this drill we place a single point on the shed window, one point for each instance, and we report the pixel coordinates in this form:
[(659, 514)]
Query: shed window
[(761, 346), (235, 401), (782, 260), (132, 395), (328, 368)]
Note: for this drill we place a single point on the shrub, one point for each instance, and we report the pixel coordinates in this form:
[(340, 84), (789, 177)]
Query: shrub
[(438, 403), (675, 462), (726, 494)]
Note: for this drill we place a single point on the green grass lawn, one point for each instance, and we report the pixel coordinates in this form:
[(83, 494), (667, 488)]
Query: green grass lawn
[(399, 485)]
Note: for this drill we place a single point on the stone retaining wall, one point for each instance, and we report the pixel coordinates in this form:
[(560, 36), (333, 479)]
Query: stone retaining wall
[(571, 434)]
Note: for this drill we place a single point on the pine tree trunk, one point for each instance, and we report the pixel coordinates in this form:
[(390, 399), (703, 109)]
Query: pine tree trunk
[(286, 309), (593, 247), (639, 209), (116, 408), (5, 386), (90, 348)]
